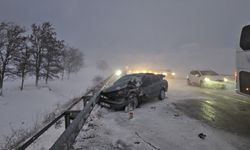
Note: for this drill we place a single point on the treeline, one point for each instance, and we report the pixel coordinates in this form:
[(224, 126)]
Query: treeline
[(37, 53)]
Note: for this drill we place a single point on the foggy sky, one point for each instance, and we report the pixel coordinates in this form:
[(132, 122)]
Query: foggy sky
[(177, 34)]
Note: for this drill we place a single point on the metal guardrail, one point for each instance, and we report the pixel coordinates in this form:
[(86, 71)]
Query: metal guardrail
[(39, 133), (67, 139), (30, 140), (88, 106)]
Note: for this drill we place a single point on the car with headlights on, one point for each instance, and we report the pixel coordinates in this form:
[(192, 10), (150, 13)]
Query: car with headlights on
[(132, 89), (169, 74), (206, 78)]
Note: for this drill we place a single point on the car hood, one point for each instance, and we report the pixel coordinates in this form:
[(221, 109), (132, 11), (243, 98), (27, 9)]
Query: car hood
[(114, 88), (215, 78)]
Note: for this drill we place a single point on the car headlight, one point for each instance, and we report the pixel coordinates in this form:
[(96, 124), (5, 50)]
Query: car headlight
[(207, 79), (118, 72), (173, 73), (164, 73), (225, 79)]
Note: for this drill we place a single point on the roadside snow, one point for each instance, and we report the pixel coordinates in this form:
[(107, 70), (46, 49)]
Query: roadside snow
[(22, 109), (155, 125), (46, 140), (158, 126)]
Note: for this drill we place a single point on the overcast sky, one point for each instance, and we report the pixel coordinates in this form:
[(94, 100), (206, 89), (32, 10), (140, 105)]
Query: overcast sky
[(177, 34)]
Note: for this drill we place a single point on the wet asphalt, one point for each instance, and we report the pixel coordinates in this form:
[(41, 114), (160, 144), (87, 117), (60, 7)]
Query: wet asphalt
[(220, 109)]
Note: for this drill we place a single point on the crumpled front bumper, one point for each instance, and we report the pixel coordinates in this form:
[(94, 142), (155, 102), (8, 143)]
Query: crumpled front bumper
[(113, 103)]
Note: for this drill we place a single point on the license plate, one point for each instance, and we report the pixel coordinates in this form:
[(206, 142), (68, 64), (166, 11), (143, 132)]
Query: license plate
[(105, 104)]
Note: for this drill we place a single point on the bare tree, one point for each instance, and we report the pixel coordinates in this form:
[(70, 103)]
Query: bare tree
[(37, 49), (52, 64), (47, 52), (64, 60), (54, 61), (74, 60), (11, 39), (40, 54), (22, 61)]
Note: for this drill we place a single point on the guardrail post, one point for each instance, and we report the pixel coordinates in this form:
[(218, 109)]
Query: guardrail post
[(69, 135), (70, 115), (67, 120), (85, 100)]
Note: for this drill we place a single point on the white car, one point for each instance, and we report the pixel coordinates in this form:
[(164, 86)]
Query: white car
[(206, 78)]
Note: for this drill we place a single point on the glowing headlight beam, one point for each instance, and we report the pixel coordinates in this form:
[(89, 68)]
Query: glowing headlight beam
[(207, 79), (118, 72), (173, 73), (164, 73), (225, 80)]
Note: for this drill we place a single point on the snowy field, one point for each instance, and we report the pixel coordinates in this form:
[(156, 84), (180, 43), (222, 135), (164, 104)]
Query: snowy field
[(155, 125), (24, 109)]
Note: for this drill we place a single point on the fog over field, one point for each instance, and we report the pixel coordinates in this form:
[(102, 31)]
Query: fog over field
[(181, 35)]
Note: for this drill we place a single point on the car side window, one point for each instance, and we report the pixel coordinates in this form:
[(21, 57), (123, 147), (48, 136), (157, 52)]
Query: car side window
[(197, 74), (146, 81), (155, 79), (192, 72)]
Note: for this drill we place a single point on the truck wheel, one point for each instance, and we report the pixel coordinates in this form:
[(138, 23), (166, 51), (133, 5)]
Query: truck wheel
[(162, 95), (132, 103)]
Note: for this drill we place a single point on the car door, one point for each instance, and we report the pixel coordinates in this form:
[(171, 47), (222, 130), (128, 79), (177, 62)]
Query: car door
[(147, 86), (197, 76), (156, 85), (191, 77)]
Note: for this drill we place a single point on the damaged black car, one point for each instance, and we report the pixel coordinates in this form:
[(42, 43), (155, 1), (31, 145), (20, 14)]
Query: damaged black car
[(132, 89)]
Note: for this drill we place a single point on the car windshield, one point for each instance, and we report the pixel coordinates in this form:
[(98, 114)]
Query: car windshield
[(125, 79), (211, 73)]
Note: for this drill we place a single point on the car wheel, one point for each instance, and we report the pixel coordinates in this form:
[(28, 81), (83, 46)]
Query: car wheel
[(132, 103), (188, 82), (162, 94)]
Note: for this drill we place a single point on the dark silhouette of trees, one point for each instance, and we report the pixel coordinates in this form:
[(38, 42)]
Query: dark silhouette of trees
[(40, 54), (73, 60), (11, 41)]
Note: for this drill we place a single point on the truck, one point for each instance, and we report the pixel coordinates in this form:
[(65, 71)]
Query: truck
[(242, 73)]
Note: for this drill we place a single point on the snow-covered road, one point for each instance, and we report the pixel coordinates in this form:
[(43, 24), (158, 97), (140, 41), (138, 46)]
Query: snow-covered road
[(159, 125)]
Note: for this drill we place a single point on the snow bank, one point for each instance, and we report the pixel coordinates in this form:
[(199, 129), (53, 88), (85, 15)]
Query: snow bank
[(21, 109)]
